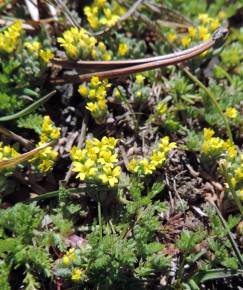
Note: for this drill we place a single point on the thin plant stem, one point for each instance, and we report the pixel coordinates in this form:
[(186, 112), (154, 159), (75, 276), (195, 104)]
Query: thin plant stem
[(100, 220), (235, 196), (213, 100), (230, 236)]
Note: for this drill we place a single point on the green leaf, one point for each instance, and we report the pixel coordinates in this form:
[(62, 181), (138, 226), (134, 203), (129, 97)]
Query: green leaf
[(27, 110), (8, 245), (206, 275), (32, 121)]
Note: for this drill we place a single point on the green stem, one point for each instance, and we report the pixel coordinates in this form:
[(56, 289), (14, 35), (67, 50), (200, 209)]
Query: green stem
[(231, 238), (213, 100), (235, 196), (100, 220), (227, 75)]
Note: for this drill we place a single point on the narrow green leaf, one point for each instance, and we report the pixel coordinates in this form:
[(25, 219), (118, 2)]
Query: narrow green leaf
[(29, 109), (203, 276)]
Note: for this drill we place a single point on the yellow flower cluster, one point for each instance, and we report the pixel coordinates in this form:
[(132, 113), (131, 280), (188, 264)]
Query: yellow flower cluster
[(138, 88), (237, 178), (35, 48), (69, 257), (231, 113), (214, 147), (96, 91), (96, 162), (103, 13), (7, 152), (123, 49), (79, 44), (77, 274), (161, 108), (9, 37), (45, 159), (234, 170), (201, 32), (156, 159)]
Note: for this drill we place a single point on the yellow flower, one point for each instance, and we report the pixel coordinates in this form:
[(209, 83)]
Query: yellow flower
[(76, 274), (192, 31), (106, 56), (231, 112), (9, 38), (55, 134), (147, 166), (102, 46), (33, 46), (123, 49), (132, 166), (95, 81), (92, 107), (46, 55), (117, 93), (232, 152), (83, 91), (109, 141), (66, 260), (100, 3), (214, 24), (106, 156), (46, 124), (161, 108), (85, 169), (102, 104), (240, 193), (171, 37), (78, 154), (110, 176), (186, 40), (45, 165), (203, 32), (208, 133), (204, 18), (158, 158), (139, 79), (222, 15)]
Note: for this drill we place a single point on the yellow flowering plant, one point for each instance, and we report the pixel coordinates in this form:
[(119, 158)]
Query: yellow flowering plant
[(35, 47), (23, 61), (45, 159), (232, 170), (155, 160), (96, 163), (201, 31), (95, 92), (139, 89), (213, 148), (78, 44), (103, 14), (10, 38)]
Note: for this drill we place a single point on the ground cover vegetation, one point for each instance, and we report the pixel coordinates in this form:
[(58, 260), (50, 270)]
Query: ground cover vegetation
[(133, 182)]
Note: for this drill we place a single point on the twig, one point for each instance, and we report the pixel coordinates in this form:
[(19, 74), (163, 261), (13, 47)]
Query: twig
[(66, 11), (26, 143)]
